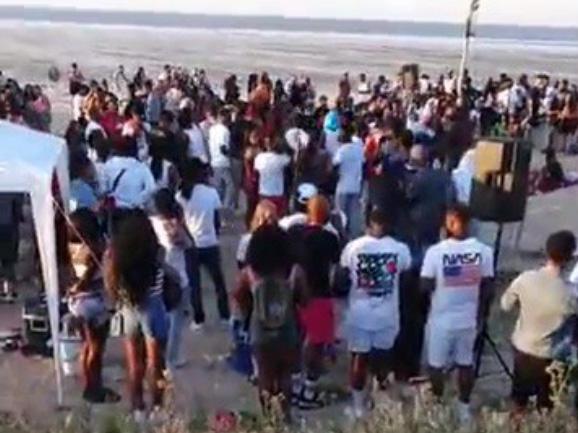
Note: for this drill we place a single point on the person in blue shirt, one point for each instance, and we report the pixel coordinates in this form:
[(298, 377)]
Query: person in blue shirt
[(83, 185)]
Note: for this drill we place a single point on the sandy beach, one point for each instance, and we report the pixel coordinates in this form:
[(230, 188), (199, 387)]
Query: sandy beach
[(29, 49)]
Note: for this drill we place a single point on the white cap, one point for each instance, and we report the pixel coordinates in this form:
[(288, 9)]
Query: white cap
[(305, 191)]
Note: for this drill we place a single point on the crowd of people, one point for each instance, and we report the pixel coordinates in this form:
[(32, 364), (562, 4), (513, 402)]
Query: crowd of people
[(362, 197)]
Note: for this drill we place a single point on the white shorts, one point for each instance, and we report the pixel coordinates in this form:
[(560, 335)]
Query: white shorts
[(449, 347), (363, 341)]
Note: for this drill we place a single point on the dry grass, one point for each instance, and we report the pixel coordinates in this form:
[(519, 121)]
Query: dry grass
[(418, 416)]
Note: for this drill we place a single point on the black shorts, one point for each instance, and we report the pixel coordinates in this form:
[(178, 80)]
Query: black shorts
[(531, 379)]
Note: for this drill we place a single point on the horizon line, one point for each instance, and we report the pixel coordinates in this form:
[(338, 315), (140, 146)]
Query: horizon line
[(488, 25)]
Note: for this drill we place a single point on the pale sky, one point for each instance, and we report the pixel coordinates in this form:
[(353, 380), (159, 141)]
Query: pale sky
[(523, 12)]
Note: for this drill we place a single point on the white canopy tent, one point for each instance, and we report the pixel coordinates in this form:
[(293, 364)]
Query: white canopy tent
[(28, 162)]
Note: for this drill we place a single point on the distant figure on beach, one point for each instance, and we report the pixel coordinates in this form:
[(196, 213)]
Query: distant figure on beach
[(75, 79)]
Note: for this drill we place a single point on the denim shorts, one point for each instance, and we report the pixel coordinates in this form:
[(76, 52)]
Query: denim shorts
[(92, 309), (361, 341), (150, 319)]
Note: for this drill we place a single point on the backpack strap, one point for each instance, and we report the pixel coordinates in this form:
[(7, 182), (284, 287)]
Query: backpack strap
[(117, 179)]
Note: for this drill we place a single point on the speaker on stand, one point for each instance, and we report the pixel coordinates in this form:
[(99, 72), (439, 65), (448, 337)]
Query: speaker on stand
[(500, 195), (500, 184)]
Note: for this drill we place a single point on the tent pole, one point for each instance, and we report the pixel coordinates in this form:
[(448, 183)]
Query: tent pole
[(463, 66), (474, 7)]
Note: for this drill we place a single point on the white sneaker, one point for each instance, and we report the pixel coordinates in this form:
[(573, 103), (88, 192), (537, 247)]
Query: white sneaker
[(158, 416), (226, 324), (197, 328), (169, 373), (140, 418), (464, 415), (362, 403), (354, 414)]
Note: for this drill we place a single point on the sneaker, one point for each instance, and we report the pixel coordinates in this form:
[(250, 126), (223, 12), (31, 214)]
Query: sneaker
[(226, 324), (362, 403), (140, 418), (354, 414), (313, 401), (169, 373), (464, 414), (158, 416), (197, 328), (8, 297)]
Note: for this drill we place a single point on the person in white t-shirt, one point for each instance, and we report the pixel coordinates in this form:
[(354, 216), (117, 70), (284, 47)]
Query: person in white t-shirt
[(197, 146), (349, 160), (450, 83), (201, 205), (219, 145), (126, 179), (168, 224), (373, 266), (364, 90), (297, 139), (271, 166), (458, 271), (92, 126), (173, 98)]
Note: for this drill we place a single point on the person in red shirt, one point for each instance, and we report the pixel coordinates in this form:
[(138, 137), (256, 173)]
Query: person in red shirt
[(112, 122), (372, 148), (250, 175), (317, 251)]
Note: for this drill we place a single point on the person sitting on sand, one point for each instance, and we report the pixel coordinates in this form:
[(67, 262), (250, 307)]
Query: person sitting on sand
[(551, 176)]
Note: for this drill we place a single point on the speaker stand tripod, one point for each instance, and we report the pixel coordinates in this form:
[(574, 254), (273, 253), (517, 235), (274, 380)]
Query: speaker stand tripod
[(484, 336)]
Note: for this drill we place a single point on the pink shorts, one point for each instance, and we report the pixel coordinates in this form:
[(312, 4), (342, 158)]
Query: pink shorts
[(318, 321)]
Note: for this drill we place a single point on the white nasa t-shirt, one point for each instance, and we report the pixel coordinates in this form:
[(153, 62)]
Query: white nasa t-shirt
[(458, 268), (375, 266)]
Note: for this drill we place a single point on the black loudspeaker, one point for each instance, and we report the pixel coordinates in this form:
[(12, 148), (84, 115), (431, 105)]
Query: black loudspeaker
[(36, 327), (500, 185)]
